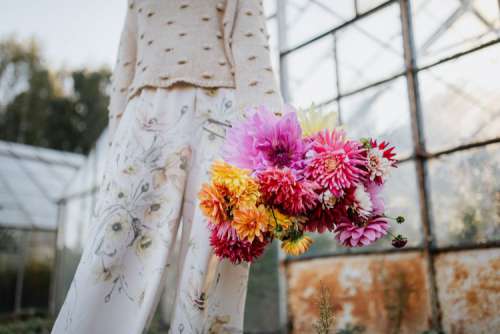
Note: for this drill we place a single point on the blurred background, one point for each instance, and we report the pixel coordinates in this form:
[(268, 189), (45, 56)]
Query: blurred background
[(423, 74)]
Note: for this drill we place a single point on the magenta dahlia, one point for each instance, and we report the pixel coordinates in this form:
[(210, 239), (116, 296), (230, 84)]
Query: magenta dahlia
[(226, 244), (281, 188), (335, 162), (352, 235), (264, 140)]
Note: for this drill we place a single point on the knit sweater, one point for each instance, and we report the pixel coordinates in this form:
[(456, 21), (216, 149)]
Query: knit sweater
[(207, 43)]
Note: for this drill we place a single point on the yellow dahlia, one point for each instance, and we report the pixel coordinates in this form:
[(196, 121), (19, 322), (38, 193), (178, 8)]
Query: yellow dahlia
[(238, 181), (296, 246), (251, 222), (313, 120)]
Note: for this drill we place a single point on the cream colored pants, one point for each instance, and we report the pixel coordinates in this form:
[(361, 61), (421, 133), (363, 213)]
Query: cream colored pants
[(161, 153)]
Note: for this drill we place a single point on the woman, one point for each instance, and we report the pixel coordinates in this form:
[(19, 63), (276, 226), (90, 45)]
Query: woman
[(184, 69)]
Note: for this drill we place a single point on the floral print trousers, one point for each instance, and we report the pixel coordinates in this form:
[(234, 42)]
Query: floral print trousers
[(160, 155)]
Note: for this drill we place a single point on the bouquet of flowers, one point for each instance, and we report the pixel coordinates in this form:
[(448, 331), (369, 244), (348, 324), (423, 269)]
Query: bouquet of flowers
[(287, 174)]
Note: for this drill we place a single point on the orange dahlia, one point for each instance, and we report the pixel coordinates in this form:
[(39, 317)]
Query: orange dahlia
[(252, 222), (215, 202)]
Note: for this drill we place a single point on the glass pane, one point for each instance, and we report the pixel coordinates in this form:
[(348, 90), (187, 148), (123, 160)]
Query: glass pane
[(38, 271), (443, 28), (380, 112), (465, 196), (370, 49), (11, 243), (306, 18), (366, 5), (401, 198), (460, 100), (311, 73)]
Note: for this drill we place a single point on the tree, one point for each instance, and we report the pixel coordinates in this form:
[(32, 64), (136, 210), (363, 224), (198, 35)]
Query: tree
[(35, 109)]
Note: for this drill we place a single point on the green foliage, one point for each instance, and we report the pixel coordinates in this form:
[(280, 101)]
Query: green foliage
[(59, 110), (35, 325), (325, 322)]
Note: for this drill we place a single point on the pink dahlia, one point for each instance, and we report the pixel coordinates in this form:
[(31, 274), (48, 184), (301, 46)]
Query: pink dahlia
[(226, 244), (263, 140), (335, 162), (281, 188), (352, 235), (380, 159), (375, 192), (365, 200)]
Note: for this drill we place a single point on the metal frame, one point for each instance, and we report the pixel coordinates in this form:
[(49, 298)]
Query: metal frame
[(419, 155)]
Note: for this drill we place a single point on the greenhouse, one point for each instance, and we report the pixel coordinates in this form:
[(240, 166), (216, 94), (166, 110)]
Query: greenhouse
[(32, 181), (417, 73)]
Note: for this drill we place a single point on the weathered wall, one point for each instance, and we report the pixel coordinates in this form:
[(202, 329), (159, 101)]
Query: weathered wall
[(469, 291), (389, 293), (382, 293)]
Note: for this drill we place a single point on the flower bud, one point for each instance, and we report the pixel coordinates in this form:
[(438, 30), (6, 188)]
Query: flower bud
[(399, 241)]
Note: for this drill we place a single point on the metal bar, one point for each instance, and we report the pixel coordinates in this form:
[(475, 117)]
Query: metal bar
[(459, 54), (385, 251), (16, 227), (337, 28), (388, 251), (461, 148), (420, 164), (465, 247), (56, 266)]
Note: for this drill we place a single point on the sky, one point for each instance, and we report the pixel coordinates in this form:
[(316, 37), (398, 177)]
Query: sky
[(72, 33)]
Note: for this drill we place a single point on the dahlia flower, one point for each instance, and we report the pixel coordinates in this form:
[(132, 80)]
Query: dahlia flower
[(351, 235), (215, 202), (252, 222), (321, 219), (263, 140), (375, 192), (335, 162), (281, 188), (313, 120), (296, 246), (380, 159), (226, 244), (241, 186)]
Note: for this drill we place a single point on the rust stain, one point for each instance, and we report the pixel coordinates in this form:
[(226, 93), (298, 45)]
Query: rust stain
[(384, 293), (469, 291)]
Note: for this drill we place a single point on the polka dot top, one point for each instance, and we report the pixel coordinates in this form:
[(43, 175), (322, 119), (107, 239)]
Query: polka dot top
[(207, 43)]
